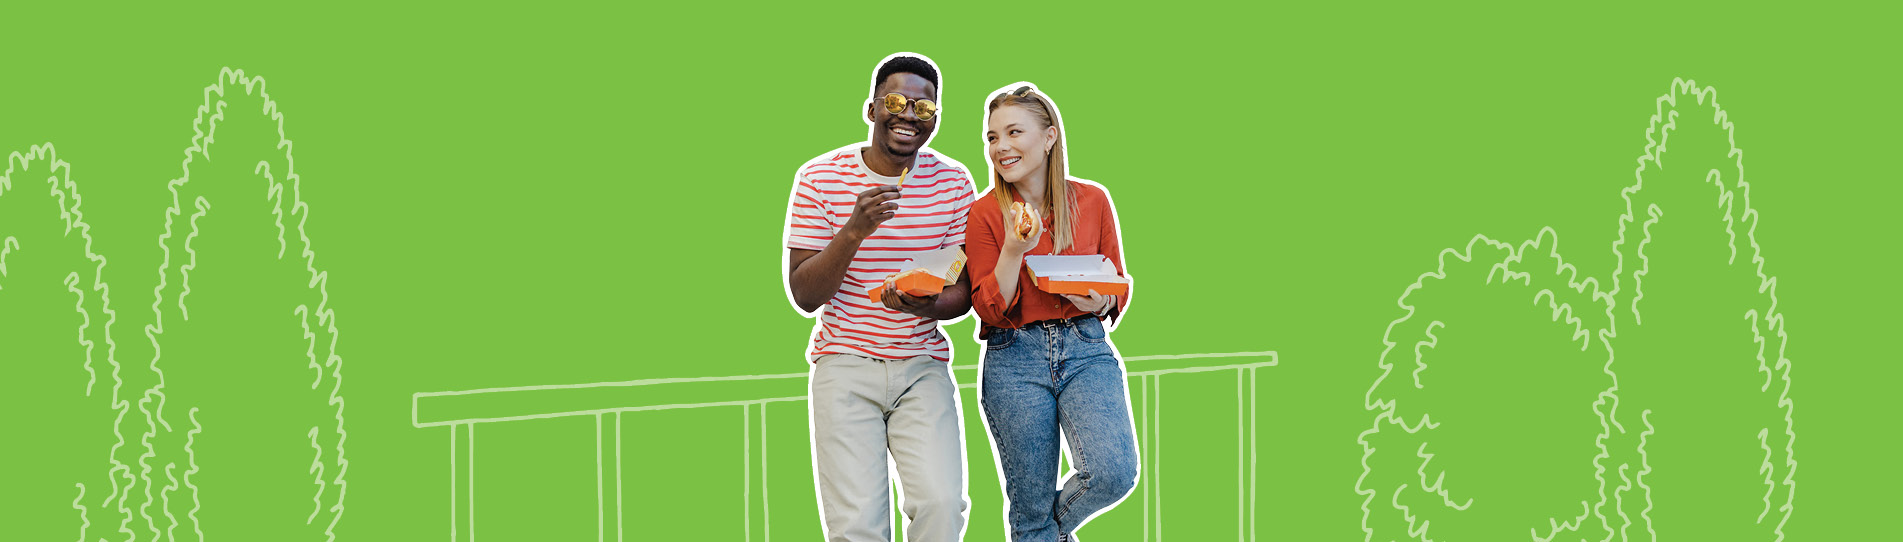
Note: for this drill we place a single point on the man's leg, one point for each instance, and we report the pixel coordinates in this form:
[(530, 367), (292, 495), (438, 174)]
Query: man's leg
[(926, 433), (848, 413)]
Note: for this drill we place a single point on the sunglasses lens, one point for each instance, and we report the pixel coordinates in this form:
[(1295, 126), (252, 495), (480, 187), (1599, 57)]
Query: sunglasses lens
[(925, 109), (894, 104)]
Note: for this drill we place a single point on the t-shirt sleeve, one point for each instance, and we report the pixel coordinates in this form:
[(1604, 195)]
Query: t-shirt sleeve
[(961, 218), (809, 224)]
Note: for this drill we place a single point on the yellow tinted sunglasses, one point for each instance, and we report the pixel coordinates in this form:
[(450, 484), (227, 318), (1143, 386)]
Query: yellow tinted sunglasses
[(896, 103)]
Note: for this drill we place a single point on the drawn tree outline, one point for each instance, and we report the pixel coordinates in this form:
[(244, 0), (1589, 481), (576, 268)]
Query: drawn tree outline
[(1729, 346)]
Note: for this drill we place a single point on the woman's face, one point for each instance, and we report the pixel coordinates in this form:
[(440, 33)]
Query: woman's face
[(1018, 143)]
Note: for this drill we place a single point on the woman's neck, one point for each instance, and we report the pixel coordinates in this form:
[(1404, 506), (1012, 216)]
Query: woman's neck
[(1033, 189)]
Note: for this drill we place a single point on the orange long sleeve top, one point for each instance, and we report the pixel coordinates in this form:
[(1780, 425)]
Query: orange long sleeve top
[(1094, 231)]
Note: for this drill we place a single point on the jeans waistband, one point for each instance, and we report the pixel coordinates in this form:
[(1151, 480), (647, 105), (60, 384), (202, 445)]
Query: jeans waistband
[(1054, 322)]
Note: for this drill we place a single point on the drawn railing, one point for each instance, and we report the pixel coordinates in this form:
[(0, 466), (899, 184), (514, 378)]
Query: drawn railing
[(616, 405)]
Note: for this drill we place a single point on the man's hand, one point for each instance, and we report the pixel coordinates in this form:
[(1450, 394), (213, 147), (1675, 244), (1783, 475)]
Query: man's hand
[(875, 206), (916, 306)]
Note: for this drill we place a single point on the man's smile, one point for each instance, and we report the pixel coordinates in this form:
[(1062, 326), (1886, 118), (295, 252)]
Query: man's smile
[(904, 133)]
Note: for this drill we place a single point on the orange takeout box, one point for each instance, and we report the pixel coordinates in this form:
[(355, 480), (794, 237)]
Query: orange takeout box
[(927, 274), (1076, 275)]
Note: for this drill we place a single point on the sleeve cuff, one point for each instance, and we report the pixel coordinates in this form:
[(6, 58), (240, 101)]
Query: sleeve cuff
[(987, 297)]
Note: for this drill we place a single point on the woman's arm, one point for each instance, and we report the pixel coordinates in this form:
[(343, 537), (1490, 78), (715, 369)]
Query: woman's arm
[(1111, 241), (1011, 256), (991, 268), (1005, 273)]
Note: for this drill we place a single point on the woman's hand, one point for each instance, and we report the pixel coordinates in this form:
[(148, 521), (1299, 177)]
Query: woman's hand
[(1014, 245), (1095, 304)]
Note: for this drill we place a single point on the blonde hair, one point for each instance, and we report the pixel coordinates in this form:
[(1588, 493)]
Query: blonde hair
[(1056, 181)]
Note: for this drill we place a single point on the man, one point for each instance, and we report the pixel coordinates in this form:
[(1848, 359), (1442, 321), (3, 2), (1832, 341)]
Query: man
[(881, 380)]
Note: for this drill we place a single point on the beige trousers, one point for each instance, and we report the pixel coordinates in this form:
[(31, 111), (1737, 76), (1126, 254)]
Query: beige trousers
[(864, 408)]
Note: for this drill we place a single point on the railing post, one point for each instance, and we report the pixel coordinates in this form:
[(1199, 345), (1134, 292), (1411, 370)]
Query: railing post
[(1143, 449), (753, 438), (1253, 472), (462, 482), (1156, 448), (455, 497), (1150, 414), (1245, 453), (608, 476), (765, 506)]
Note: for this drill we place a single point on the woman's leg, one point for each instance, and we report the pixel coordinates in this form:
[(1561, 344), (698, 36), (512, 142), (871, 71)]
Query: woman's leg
[(1094, 410), (1017, 394)]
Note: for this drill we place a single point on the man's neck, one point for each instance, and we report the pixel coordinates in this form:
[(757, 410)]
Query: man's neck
[(884, 163)]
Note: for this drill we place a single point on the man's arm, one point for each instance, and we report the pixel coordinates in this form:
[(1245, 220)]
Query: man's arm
[(814, 276)]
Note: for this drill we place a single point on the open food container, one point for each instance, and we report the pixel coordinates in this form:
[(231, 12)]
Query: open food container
[(926, 274), (1076, 275)]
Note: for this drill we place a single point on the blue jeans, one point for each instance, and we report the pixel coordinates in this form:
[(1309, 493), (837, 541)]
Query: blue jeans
[(1038, 380)]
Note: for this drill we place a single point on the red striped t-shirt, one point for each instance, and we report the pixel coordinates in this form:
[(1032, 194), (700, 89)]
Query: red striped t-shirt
[(933, 205)]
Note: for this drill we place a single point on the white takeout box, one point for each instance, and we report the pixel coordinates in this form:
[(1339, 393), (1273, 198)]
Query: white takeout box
[(943, 264), (1076, 275)]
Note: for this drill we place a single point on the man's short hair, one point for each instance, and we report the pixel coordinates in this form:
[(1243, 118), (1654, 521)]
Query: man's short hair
[(904, 64)]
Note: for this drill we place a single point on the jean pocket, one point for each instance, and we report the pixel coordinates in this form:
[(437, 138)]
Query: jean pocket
[(1000, 338), (1089, 330)]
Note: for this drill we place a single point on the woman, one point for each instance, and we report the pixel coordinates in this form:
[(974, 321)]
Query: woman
[(1048, 364)]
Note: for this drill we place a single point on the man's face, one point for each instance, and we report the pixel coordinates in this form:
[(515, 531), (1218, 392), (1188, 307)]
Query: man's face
[(903, 134)]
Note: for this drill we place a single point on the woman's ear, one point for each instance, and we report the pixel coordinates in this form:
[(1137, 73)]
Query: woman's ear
[(1050, 138)]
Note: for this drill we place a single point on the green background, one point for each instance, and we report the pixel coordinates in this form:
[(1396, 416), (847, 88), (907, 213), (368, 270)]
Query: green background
[(553, 194)]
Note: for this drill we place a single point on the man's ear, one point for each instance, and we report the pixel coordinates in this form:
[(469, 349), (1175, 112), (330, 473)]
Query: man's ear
[(870, 118)]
